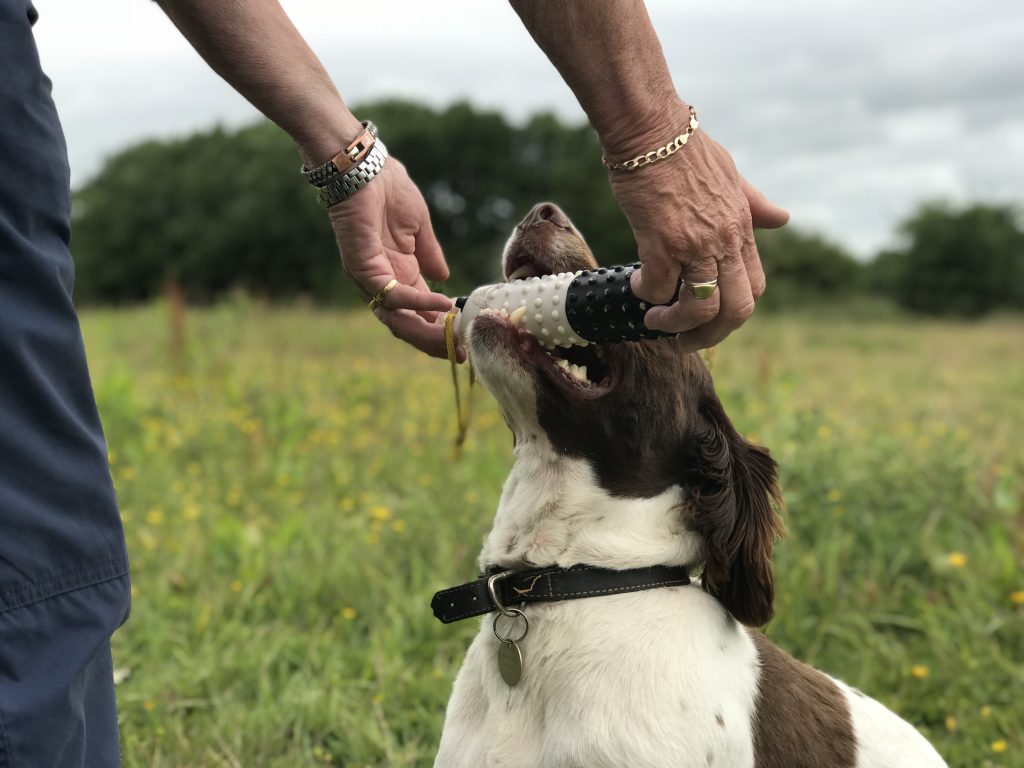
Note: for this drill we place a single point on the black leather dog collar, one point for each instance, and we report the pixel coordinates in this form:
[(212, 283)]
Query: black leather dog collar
[(513, 588)]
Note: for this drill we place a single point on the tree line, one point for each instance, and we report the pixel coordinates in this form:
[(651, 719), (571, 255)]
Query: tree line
[(225, 210)]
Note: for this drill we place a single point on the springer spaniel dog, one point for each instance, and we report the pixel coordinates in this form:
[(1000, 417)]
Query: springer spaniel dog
[(625, 460)]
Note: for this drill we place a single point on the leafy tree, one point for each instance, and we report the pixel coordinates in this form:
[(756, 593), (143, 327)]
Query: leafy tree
[(223, 209), (803, 268), (216, 210), (964, 263), (226, 209)]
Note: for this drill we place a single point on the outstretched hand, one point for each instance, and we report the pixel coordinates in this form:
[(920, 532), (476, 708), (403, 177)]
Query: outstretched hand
[(384, 233), (693, 217)]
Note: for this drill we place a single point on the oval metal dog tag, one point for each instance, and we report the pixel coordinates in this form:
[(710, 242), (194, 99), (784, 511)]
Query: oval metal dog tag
[(510, 662)]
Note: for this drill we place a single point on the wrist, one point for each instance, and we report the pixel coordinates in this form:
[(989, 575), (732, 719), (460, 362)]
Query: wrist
[(645, 131), (321, 135)]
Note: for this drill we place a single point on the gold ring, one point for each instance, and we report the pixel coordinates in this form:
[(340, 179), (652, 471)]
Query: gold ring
[(703, 290), (378, 299)]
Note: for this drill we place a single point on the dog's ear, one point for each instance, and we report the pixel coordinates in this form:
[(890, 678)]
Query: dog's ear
[(734, 499)]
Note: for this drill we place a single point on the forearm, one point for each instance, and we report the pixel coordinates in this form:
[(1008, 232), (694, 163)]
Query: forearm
[(609, 55), (254, 46)]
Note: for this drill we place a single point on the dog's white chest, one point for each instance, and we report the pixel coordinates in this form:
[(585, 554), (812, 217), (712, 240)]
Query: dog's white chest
[(651, 679)]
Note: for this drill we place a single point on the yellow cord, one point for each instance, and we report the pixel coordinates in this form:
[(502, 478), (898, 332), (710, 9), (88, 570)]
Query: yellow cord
[(462, 415)]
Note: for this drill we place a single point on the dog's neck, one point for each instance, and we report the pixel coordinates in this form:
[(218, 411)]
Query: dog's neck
[(553, 511)]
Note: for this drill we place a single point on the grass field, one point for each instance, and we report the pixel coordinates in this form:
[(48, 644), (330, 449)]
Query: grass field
[(291, 505)]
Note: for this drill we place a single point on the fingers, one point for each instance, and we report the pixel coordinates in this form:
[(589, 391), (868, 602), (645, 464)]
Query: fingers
[(418, 298), (658, 279), (688, 312), (428, 252), (416, 330), (763, 213), (736, 305), (752, 264)]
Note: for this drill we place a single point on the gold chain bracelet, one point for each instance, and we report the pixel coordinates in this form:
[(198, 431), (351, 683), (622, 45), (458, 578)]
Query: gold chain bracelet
[(658, 154)]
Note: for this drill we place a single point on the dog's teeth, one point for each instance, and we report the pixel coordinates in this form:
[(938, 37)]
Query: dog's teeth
[(517, 316), (562, 363), (523, 271), (583, 373)]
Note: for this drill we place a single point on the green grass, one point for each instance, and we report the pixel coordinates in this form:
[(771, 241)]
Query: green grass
[(291, 505)]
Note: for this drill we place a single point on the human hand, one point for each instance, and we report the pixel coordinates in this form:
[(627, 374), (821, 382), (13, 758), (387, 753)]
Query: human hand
[(384, 233), (693, 217)]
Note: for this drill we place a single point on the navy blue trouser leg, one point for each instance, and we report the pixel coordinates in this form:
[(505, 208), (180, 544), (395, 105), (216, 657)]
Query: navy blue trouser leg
[(63, 568)]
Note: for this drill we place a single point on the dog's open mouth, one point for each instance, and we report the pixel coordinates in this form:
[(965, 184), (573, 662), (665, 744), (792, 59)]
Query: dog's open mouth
[(543, 250), (582, 369)]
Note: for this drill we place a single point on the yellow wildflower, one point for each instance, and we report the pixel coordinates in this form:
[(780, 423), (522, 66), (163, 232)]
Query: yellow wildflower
[(956, 559), (950, 723), (380, 513), (986, 711), (999, 745), (348, 613), (920, 671), (1017, 597)]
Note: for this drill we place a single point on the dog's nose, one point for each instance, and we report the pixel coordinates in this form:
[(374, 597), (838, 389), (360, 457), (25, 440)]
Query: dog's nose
[(545, 212)]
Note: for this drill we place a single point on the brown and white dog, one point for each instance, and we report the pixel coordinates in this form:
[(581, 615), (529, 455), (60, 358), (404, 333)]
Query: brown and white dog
[(624, 458)]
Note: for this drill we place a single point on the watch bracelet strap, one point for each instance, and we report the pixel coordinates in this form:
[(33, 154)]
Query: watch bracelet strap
[(323, 173), (344, 185)]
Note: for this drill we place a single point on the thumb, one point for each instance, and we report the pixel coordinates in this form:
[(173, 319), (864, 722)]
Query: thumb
[(764, 214), (657, 281)]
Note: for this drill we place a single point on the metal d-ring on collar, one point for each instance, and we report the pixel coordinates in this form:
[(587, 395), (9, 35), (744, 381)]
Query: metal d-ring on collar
[(493, 592), (508, 613)]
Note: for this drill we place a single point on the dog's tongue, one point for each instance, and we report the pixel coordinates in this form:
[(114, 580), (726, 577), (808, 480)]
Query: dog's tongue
[(565, 310)]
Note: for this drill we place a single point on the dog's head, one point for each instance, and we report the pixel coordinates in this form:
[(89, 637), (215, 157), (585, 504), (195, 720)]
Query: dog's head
[(643, 415)]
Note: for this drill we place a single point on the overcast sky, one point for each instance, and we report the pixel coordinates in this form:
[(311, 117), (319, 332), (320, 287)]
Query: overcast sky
[(847, 113)]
